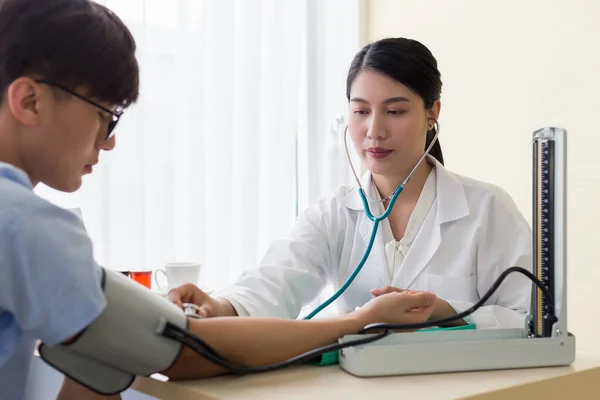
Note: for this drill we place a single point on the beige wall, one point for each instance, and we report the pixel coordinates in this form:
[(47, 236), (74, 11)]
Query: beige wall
[(510, 67)]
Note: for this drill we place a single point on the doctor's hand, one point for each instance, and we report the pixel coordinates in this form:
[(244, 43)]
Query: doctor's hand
[(398, 308), (209, 306)]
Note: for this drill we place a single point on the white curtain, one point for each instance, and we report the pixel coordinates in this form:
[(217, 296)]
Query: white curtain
[(206, 163)]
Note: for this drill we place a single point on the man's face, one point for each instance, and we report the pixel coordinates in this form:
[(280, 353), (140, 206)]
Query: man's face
[(65, 142)]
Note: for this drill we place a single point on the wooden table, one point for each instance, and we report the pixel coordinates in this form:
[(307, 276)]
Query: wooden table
[(579, 381)]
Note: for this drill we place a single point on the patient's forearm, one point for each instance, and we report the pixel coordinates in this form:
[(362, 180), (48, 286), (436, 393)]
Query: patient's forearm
[(257, 341)]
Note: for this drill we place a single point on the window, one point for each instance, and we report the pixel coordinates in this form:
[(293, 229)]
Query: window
[(231, 135)]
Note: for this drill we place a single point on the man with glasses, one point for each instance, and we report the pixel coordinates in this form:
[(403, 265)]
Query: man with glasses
[(61, 96)]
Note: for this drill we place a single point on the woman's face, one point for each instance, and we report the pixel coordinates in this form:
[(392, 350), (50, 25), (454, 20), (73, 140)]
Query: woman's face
[(388, 123)]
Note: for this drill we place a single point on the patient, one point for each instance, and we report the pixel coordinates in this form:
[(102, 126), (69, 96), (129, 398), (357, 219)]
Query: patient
[(67, 71)]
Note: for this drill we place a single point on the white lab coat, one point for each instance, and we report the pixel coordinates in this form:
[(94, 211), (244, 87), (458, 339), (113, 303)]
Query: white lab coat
[(472, 233)]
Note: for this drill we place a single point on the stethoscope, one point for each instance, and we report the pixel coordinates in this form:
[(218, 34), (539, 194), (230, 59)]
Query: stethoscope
[(376, 220)]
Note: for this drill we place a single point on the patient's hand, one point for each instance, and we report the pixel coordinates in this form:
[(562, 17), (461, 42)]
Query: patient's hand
[(209, 307), (398, 308), (442, 309)]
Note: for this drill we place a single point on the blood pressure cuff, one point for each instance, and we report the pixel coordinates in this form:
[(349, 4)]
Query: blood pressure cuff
[(124, 341)]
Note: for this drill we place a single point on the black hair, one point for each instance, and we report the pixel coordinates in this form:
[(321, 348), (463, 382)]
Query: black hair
[(406, 61), (69, 42)]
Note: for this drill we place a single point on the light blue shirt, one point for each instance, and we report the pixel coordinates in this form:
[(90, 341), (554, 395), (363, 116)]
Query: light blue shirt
[(49, 282)]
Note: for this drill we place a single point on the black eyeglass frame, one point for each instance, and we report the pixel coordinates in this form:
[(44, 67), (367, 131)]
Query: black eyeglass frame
[(115, 114)]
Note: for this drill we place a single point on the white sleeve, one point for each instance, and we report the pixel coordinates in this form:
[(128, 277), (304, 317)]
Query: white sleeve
[(291, 274), (507, 242)]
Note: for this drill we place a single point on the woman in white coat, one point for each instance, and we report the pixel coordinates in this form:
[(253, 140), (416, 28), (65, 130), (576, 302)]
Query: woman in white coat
[(446, 234)]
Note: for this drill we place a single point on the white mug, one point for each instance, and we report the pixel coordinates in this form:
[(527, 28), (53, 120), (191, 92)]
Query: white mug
[(178, 273)]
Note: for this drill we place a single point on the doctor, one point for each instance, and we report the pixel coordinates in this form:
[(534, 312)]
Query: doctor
[(447, 234)]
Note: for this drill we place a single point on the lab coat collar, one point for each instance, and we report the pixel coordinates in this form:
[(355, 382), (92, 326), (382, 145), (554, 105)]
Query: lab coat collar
[(452, 201)]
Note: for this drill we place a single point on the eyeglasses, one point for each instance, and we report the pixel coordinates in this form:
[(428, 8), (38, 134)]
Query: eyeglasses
[(114, 114)]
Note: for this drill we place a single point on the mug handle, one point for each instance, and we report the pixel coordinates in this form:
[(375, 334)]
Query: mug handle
[(156, 279)]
